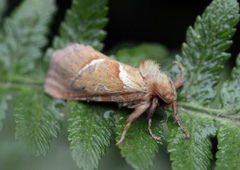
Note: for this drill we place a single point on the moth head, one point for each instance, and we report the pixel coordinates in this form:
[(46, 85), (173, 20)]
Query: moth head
[(160, 84), (165, 89)]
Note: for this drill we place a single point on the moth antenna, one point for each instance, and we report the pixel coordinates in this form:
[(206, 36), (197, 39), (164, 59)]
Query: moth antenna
[(178, 83), (177, 118)]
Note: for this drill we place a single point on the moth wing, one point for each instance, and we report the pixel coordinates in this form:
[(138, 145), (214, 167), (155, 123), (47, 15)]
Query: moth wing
[(79, 72)]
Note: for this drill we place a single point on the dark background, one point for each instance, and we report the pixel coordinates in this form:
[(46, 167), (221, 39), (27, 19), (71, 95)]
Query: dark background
[(136, 21), (159, 21)]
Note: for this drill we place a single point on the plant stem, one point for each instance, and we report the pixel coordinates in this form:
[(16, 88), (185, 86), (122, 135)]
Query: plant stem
[(202, 109), (217, 113)]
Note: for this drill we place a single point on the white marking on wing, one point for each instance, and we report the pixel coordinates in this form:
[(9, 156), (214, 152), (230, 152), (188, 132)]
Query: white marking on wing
[(92, 63), (87, 66), (127, 79)]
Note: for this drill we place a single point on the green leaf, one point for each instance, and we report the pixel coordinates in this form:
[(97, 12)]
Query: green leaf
[(203, 53), (84, 24), (134, 55), (203, 57), (193, 153), (38, 120), (229, 147), (228, 135), (21, 41), (230, 97), (139, 148), (90, 133), (23, 36), (4, 100)]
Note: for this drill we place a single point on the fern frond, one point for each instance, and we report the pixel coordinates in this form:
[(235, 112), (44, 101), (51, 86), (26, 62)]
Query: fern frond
[(229, 147), (37, 120), (195, 152), (84, 24), (90, 133), (139, 148), (23, 36), (204, 51), (4, 99), (203, 57)]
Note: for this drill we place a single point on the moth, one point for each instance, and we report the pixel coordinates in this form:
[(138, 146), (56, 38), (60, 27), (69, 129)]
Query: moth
[(79, 72)]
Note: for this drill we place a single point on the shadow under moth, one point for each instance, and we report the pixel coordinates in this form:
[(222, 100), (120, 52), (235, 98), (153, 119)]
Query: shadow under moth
[(79, 72)]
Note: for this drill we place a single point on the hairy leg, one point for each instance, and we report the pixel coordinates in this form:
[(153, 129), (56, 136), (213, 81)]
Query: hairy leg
[(177, 118), (133, 116), (151, 111)]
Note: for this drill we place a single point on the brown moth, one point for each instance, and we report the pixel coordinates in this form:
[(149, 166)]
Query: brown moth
[(79, 72)]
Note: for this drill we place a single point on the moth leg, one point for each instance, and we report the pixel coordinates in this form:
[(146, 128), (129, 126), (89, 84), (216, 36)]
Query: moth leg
[(177, 118), (151, 111), (133, 116), (178, 83)]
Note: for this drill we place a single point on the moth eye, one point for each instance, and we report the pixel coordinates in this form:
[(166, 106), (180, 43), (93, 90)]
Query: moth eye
[(166, 96)]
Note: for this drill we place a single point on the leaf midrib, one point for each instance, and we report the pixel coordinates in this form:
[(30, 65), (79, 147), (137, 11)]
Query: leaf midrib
[(217, 114)]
